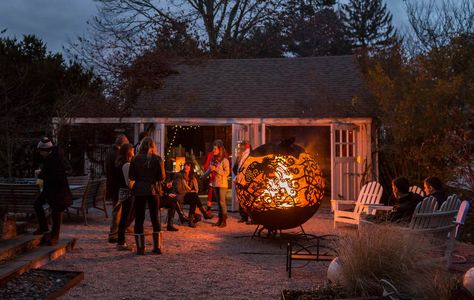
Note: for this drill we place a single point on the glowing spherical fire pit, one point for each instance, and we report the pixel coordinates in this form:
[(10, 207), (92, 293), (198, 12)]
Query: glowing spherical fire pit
[(280, 185)]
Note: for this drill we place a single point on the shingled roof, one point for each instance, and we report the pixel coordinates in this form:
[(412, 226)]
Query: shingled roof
[(314, 87)]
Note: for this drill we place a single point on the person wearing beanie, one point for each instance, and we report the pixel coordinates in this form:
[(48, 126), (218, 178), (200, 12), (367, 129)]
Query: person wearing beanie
[(113, 183), (55, 190)]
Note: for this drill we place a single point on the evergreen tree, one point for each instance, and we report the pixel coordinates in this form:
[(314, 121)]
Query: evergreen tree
[(368, 24)]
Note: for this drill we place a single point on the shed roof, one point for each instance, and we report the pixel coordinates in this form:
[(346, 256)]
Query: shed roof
[(313, 87)]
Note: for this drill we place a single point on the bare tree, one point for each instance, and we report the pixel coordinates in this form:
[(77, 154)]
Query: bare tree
[(436, 22), (124, 29)]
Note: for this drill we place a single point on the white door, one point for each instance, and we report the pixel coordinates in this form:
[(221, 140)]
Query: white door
[(239, 132), (344, 165)]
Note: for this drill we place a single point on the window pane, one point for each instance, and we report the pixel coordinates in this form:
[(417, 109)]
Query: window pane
[(351, 136), (338, 136), (337, 151), (344, 136), (351, 150), (344, 150)]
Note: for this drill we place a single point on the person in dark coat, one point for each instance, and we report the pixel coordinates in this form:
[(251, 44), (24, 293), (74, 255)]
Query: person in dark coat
[(148, 172), (114, 182), (243, 152), (433, 186), (405, 202), (55, 190)]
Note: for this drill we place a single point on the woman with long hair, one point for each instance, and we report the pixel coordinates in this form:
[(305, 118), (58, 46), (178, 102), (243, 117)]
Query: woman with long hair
[(188, 192), (220, 167), (147, 170), (122, 165)]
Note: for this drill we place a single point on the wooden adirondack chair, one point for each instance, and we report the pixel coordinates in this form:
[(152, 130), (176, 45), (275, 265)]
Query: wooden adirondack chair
[(369, 194), (417, 190), (440, 223), (461, 218)]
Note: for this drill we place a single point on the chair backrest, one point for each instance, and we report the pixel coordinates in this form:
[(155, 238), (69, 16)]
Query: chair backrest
[(461, 216), (421, 218), (88, 198), (370, 193), (417, 190), (101, 190), (78, 180)]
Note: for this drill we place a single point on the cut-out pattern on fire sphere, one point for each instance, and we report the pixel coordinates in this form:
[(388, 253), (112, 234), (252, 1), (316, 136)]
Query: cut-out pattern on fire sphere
[(280, 185)]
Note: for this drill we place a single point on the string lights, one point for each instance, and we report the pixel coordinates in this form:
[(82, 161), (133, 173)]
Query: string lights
[(174, 133)]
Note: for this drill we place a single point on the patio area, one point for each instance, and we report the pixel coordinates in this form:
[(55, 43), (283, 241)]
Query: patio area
[(200, 263)]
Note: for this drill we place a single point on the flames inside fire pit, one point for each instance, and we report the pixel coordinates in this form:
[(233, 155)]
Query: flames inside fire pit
[(280, 186)]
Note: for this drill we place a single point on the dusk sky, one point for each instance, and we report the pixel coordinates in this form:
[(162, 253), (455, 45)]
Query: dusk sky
[(58, 21)]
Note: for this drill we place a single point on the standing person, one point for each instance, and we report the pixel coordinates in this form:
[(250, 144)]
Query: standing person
[(148, 172), (122, 164), (210, 179), (220, 167), (55, 190), (114, 180), (243, 151), (188, 189), (141, 136), (433, 186)]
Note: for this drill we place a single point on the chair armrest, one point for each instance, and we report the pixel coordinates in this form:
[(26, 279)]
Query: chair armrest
[(371, 208), (335, 203)]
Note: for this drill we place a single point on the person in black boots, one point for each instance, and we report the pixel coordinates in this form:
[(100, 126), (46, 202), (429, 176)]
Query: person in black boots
[(243, 151), (220, 167), (170, 194), (55, 190), (148, 172), (114, 181), (187, 186), (125, 197)]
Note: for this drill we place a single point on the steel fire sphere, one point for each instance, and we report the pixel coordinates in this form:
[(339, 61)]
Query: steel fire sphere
[(280, 185)]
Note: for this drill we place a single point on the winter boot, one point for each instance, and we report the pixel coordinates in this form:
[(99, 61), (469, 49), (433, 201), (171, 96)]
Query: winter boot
[(219, 221), (182, 217), (224, 221), (191, 222), (206, 214), (169, 225), (140, 240), (157, 242)]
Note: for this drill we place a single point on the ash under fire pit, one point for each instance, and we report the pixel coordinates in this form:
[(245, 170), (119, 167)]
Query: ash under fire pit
[(280, 185)]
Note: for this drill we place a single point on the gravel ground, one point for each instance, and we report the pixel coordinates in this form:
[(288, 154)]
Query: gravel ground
[(200, 263)]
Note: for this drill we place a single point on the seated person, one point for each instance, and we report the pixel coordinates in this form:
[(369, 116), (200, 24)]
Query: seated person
[(404, 201), (188, 193), (170, 201), (433, 186)]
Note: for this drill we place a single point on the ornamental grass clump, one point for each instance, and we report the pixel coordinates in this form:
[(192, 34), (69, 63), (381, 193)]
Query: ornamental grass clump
[(404, 258)]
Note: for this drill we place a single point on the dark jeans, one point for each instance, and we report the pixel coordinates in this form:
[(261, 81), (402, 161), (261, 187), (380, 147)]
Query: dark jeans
[(56, 216), (170, 204), (193, 200), (128, 215), (153, 207)]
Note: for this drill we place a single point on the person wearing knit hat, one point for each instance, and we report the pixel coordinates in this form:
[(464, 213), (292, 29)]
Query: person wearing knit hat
[(45, 144), (55, 190)]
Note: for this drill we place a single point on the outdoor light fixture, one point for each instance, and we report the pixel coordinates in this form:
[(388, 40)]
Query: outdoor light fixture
[(280, 185)]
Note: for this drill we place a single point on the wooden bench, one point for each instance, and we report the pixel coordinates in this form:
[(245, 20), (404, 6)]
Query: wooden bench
[(18, 198)]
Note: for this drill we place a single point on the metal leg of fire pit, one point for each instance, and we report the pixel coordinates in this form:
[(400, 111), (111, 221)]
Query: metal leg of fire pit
[(255, 232)]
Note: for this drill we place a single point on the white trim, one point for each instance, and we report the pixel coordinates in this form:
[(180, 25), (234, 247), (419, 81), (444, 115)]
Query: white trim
[(218, 121)]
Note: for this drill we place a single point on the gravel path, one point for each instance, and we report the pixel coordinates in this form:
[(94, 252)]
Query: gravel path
[(200, 263)]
